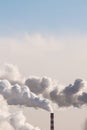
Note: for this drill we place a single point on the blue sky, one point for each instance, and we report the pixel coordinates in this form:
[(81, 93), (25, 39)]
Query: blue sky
[(47, 16)]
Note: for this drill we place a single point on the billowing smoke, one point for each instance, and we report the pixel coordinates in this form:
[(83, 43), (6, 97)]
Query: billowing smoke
[(35, 92), (11, 73), (16, 89), (12, 121), (4, 114), (71, 95), (38, 85), (21, 95), (18, 121)]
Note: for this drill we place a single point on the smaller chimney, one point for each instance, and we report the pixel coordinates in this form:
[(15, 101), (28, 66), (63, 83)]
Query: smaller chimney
[(51, 121)]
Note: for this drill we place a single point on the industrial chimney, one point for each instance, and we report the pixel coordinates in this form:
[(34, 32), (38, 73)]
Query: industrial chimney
[(51, 121)]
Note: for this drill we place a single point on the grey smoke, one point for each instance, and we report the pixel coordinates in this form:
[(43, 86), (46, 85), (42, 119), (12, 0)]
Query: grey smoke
[(35, 92), (21, 95), (73, 89), (83, 98), (38, 85), (68, 96), (21, 90)]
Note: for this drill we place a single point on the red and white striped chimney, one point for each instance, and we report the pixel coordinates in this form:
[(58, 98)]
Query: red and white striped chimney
[(51, 121)]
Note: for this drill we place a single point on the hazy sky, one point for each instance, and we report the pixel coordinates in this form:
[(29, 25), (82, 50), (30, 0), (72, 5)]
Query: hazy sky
[(47, 37)]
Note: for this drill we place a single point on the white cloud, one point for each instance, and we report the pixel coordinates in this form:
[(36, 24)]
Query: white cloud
[(12, 121)]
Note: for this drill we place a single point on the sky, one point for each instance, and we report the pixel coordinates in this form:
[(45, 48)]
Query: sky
[(43, 16), (47, 38)]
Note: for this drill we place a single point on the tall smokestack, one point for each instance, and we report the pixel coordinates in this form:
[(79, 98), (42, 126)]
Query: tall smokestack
[(51, 121)]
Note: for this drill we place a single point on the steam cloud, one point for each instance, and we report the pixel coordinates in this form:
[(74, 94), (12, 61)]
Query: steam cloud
[(21, 95), (11, 73), (35, 92), (12, 121), (16, 89), (71, 95)]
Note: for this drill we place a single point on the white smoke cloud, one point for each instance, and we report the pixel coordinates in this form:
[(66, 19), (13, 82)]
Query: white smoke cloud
[(18, 121), (12, 121), (21, 95), (3, 108), (35, 92), (39, 85), (16, 93), (4, 114), (11, 73), (72, 95), (28, 92)]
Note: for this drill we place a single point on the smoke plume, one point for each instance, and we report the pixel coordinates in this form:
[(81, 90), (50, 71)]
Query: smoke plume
[(21, 95), (11, 73), (12, 121), (38, 91), (18, 121), (71, 95)]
